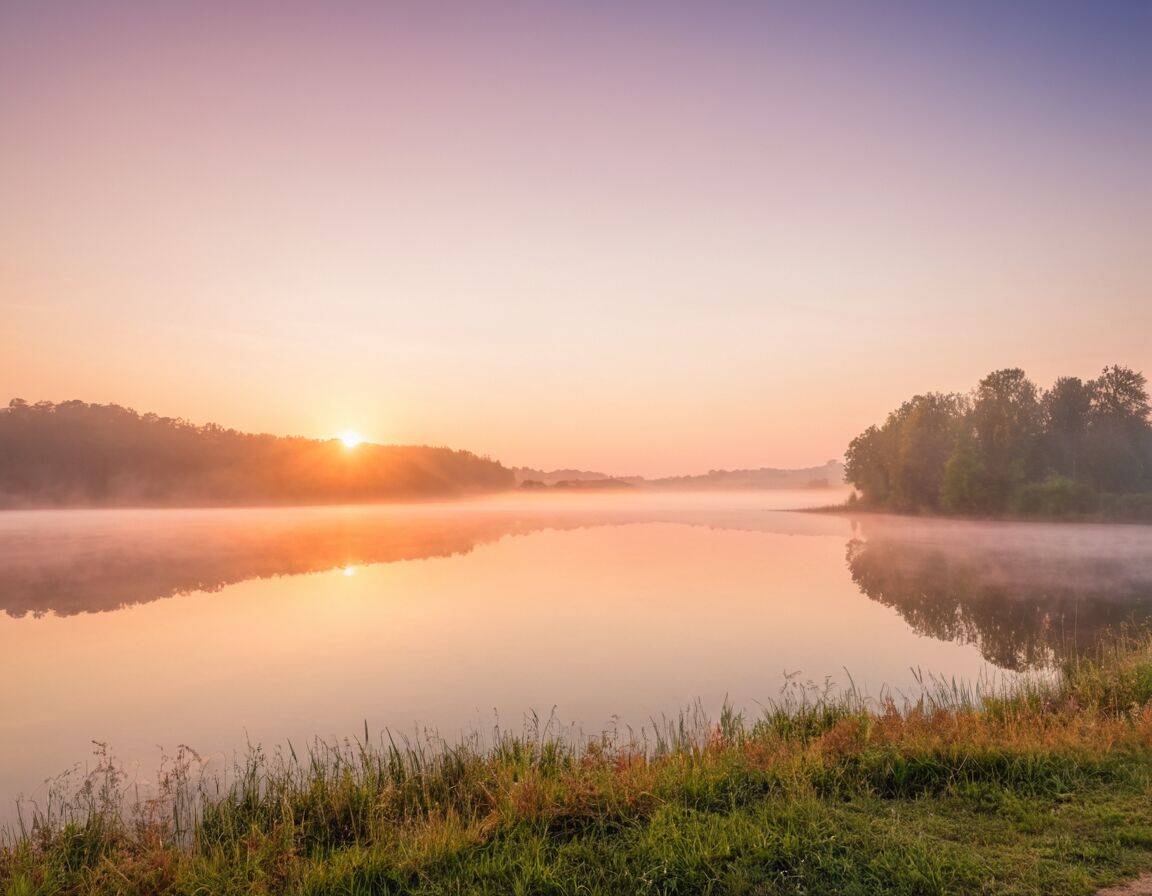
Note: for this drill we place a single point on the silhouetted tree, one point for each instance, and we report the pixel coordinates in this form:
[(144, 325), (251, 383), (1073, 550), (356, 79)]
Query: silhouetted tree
[(87, 454), (1121, 393)]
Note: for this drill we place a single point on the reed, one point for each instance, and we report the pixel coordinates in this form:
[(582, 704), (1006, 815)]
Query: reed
[(1041, 785)]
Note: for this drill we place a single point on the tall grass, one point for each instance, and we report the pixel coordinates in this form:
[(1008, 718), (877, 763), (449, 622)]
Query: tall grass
[(805, 796)]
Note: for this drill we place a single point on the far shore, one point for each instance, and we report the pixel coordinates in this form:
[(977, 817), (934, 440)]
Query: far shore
[(861, 509)]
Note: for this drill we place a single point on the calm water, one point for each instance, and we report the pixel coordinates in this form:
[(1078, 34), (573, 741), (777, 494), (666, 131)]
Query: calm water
[(150, 629)]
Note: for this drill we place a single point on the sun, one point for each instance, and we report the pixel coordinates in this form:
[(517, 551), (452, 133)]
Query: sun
[(351, 439)]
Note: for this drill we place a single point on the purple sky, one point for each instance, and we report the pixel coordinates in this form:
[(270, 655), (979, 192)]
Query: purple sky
[(642, 237)]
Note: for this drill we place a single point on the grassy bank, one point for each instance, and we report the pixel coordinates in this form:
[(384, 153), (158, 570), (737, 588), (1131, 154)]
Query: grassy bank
[(1044, 790)]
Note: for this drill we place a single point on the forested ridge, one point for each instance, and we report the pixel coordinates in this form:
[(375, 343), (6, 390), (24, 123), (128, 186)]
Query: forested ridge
[(1077, 449), (79, 454)]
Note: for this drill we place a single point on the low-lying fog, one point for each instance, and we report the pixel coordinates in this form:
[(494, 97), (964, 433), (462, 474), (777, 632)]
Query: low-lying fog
[(214, 628)]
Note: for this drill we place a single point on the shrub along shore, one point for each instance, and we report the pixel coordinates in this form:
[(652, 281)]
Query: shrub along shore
[(1044, 787)]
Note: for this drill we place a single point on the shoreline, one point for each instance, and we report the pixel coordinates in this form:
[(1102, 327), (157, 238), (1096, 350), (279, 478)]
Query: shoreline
[(859, 510), (1041, 787)]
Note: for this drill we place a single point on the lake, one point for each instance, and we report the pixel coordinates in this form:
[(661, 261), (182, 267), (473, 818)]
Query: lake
[(147, 629)]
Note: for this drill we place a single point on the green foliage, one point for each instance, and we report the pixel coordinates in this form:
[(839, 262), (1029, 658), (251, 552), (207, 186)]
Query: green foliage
[(901, 463), (75, 453), (869, 462), (928, 427), (1073, 450), (1005, 424), (1067, 409), (1131, 508), (964, 487), (1121, 394), (1057, 497), (1113, 456)]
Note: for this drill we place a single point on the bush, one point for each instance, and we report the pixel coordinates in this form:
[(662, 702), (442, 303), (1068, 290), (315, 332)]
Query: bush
[(1057, 496), (1133, 508)]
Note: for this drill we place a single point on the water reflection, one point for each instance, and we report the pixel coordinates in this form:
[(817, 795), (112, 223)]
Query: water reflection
[(614, 610), (67, 563), (91, 563), (1024, 595)]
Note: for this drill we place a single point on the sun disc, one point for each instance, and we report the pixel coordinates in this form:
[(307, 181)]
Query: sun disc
[(351, 439)]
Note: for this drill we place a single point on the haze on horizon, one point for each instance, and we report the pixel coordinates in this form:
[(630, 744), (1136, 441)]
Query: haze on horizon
[(651, 238)]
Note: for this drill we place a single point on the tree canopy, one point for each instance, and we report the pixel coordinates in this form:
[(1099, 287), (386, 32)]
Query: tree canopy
[(79, 454), (1074, 449)]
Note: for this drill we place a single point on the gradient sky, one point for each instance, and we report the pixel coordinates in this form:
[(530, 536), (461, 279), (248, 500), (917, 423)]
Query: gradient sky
[(646, 237)]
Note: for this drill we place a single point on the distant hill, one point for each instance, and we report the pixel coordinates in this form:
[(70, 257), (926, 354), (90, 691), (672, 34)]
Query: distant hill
[(579, 484), (553, 477), (829, 475), (78, 454)]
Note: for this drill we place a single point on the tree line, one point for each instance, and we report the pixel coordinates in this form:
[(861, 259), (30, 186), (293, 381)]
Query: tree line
[(74, 453), (1078, 448)]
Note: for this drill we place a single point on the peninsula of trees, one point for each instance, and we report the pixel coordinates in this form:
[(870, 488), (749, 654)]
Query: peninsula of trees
[(78, 454), (1078, 449)]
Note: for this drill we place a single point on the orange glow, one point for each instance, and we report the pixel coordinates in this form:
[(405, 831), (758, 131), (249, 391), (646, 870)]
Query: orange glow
[(411, 638), (423, 232)]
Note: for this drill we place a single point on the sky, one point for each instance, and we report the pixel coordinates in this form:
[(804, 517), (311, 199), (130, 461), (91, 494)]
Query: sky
[(641, 237)]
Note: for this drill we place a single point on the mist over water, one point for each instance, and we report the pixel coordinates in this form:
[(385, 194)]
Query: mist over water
[(86, 561), (218, 628), (1026, 594)]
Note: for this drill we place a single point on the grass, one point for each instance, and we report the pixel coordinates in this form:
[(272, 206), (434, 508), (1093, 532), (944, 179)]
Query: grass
[(1041, 788)]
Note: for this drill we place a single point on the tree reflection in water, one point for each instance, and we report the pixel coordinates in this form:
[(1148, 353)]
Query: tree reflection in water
[(1026, 596)]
